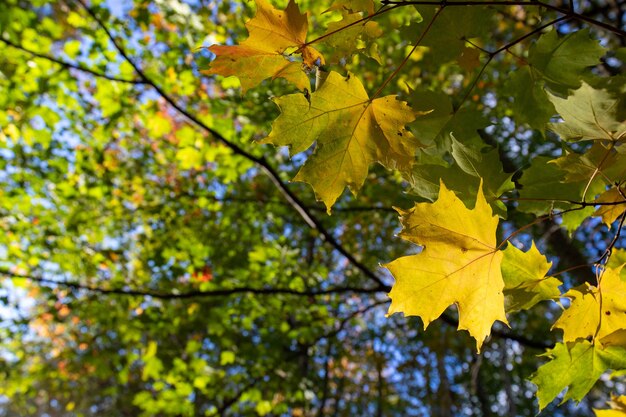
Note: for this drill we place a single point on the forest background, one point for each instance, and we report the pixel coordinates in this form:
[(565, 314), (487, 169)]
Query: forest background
[(157, 257)]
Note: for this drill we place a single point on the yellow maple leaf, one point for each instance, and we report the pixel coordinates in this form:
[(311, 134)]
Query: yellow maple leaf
[(261, 56), (459, 264), (597, 312), (351, 130), (610, 213)]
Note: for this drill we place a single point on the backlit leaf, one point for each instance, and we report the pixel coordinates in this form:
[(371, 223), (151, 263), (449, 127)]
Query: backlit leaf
[(351, 131), (577, 367), (589, 114), (610, 213), (595, 312), (459, 264), (261, 56), (562, 61)]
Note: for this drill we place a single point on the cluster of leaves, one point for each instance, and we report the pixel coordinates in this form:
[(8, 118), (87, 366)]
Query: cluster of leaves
[(461, 261), (158, 262)]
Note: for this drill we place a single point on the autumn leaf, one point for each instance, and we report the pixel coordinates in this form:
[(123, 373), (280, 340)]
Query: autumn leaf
[(578, 366), (460, 264), (609, 212), (261, 56), (595, 312), (351, 131)]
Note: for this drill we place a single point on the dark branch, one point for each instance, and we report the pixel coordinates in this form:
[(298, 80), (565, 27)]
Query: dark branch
[(193, 293), (69, 65), (565, 12), (261, 162)]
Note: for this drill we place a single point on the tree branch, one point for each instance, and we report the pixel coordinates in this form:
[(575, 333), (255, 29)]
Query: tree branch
[(566, 12), (261, 162), (193, 293), (69, 65)]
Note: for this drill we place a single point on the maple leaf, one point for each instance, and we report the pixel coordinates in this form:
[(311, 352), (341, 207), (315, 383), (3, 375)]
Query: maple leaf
[(561, 61), (459, 264), (351, 130), (589, 114), (530, 100), (578, 366), (610, 213), (525, 283), (261, 56), (595, 312)]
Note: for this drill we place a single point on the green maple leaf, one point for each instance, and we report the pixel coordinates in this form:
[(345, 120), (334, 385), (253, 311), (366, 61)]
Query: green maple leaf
[(589, 114), (459, 264), (544, 188), (599, 164), (549, 185), (575, 366), (530, 101), (525, 281), (485, 165), (351, 130), (471, 167), (446, 37), (562, 61), (439, 120)]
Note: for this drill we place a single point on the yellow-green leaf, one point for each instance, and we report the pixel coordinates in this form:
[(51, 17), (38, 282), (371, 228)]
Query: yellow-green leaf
[(595, 312), (460, 264), (575, 366), (525, 283), (351, 132), (589, 114)]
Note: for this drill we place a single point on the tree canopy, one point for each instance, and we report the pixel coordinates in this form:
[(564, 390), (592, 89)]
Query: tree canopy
[(312, 208)]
